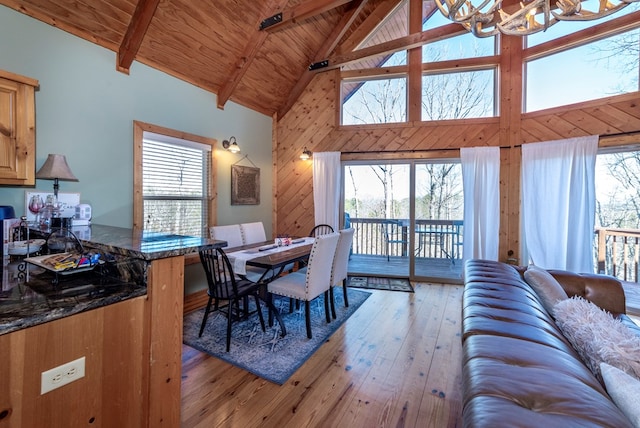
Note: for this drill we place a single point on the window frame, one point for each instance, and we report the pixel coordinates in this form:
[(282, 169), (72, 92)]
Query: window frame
[(138, 198)]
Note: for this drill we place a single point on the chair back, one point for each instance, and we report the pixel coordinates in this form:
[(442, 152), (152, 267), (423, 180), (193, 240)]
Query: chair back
[(220, 277), (341, 259), (318, 279), (321, 229), (253, 232), (230, 233)]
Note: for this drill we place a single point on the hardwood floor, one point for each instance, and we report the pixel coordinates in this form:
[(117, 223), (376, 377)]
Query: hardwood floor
[(394, 363)]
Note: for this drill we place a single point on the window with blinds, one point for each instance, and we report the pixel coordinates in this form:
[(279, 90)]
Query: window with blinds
[(175, 185)]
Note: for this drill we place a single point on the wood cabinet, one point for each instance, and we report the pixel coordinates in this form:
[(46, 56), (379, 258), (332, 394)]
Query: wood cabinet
[(17, 129)]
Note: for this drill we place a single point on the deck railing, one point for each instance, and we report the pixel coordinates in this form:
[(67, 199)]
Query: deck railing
[(617, 253), (390, 237)]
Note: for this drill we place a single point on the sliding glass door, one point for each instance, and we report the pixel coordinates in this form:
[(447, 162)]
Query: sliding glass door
[(407, 218)]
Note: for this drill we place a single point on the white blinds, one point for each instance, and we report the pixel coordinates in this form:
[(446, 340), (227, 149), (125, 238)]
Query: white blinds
[(175, 186)]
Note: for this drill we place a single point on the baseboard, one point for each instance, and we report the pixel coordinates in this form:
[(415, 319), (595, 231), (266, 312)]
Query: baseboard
[(195, 301)]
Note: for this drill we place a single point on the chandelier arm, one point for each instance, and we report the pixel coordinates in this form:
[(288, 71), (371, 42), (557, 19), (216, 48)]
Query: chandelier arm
[(587, 15), (477, 11)]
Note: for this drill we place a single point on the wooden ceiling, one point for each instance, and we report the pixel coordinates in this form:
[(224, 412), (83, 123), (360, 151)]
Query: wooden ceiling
[(218, 44)]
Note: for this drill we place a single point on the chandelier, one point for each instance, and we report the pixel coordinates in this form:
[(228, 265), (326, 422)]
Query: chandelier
[(487, 18)]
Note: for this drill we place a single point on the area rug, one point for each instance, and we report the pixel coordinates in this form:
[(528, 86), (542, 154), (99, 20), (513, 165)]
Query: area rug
[(380, 283), (268, 355)]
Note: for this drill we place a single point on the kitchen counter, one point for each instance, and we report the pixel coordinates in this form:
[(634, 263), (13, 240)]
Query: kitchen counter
[(31, 295)]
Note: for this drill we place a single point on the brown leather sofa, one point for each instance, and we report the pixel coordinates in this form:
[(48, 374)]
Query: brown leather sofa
[(518, 370)]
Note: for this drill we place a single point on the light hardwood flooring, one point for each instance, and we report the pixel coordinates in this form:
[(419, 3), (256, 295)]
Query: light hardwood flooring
[(394, 363)]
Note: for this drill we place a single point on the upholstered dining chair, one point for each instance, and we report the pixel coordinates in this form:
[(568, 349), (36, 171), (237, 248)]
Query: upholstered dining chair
[(340, 266), (313, 281), (253, 232), (224, 285), (321, 229), (230, 233)]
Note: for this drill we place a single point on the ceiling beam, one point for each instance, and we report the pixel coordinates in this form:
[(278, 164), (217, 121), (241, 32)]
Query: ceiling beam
[(255, 40), (300, 12), (140, 20), (324, 51), (408, 42), (370, 23)]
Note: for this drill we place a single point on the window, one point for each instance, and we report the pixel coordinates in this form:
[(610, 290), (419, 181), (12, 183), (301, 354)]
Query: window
[(584, 73), (458, 95), (173, 182)]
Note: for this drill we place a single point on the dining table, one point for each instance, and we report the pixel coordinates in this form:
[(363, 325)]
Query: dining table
[(272, 258)]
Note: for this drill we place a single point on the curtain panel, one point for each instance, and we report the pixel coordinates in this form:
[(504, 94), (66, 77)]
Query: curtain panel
[(327, 176), (558, 202), (481, 184)]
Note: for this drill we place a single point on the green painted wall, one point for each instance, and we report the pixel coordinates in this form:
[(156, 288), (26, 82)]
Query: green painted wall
[(85, 109)]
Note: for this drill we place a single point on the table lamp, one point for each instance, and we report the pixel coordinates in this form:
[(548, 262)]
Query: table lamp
[(55, 168)]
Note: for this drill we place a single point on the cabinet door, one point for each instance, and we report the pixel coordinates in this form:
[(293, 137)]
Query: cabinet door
[(17, 133)]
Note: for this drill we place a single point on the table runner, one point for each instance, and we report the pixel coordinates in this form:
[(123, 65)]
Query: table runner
[(239, 259)]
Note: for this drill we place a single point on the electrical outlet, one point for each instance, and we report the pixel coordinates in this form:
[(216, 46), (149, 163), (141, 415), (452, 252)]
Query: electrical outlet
[(61, 375)]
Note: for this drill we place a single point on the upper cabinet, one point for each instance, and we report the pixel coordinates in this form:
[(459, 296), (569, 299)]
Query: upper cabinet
[(17, 129)]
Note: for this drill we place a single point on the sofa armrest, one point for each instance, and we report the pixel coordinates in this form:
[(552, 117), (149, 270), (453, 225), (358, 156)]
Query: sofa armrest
[(602, 290)]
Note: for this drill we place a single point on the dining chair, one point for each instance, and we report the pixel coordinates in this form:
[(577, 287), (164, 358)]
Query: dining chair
[(224, 285), (340, 266), (230, 233), (253, 232), (392, 233), (321, 229), (315, 280)]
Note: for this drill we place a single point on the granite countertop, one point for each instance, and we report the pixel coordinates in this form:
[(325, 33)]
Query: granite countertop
[(139, 244), (31, 295)]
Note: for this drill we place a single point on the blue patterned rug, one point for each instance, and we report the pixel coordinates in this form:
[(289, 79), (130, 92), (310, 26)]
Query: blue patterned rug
[(267, 354)]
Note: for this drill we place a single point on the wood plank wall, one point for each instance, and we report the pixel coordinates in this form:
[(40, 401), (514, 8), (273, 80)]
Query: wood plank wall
[(312, 123)]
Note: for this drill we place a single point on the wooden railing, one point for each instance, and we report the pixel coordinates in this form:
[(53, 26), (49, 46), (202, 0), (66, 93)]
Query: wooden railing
[(618, 253), (390, 237)]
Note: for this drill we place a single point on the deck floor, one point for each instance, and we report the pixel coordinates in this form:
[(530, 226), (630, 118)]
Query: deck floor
[(425, 268), (439, 269)]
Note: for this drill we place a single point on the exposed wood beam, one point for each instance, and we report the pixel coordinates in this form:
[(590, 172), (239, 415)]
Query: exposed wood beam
[(371, 22), (300, 12), (145, 9), (255, 40), (409, 42), (326, 50)]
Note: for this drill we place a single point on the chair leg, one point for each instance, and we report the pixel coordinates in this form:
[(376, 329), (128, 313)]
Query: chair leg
[(333, 303), (307, 317), (206, 315), (344, 291), (229, 317), (326, 306), (259, 311)]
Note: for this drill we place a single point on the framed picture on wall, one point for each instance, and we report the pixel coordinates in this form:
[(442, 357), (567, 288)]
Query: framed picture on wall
[(245, 185)]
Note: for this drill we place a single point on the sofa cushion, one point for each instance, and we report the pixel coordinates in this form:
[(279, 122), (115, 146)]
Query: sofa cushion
[(598, 336), (624, 390), (548, 289)]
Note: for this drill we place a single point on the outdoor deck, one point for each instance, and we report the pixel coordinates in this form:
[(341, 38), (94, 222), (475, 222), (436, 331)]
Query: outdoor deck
[(376, 265)]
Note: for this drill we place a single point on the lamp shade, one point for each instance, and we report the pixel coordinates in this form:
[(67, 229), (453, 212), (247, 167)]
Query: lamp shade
[(56, 167)]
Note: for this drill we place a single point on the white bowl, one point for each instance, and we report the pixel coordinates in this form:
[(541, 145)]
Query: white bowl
[(19, 248)]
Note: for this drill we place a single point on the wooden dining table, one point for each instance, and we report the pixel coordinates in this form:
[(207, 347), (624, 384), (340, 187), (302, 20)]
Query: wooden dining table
[(273, 259)]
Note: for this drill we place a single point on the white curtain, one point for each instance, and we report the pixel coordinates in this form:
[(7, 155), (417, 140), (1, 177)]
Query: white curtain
[(327, 176), (558, 199), (481, 182)]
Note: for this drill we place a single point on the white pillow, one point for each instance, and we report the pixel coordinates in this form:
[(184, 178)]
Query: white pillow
[(624, 391), (597, 336), (546, 286)]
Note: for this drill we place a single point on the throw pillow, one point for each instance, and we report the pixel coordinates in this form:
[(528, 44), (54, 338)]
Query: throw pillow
[(545, 285), (624, 391), (597, 336)]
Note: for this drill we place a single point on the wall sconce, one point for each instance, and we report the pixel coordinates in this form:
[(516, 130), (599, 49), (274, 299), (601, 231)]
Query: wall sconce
[(231, 145), (306, 154), (55, 168)]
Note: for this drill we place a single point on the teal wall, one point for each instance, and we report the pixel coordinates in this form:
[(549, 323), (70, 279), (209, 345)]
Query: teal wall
[(85, 109)]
